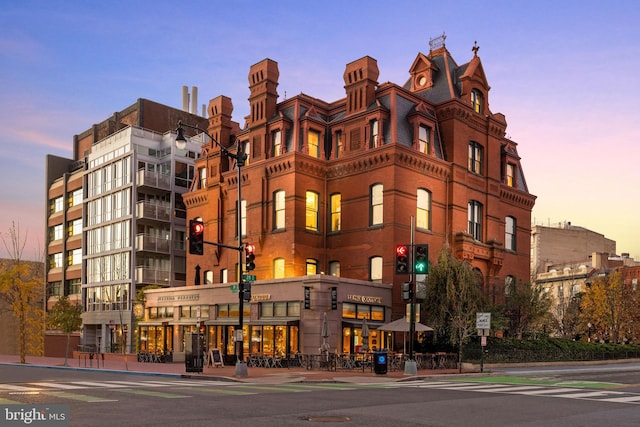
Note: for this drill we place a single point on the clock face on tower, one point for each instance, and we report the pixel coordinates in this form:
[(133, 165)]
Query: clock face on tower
[(422, 80)]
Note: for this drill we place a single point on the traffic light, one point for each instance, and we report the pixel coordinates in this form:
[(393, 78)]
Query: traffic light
[(334, 298), (402, 259), (407, 291), (196, 237), (246, 291), (250, 256), (421, 259)]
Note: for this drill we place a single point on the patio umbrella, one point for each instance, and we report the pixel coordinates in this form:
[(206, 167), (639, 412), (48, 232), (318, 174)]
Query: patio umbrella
[(402, 325), (365, 335), (325, 336)]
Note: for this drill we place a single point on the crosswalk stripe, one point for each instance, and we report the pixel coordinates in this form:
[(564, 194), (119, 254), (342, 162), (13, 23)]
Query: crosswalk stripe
[(152, 393), (134, 383), (13, 387), (550, 390), (583, 394), (513, 389), (268, 388), (625, 399), (80, 397), (96, 384), (229, 391), (57, 385)]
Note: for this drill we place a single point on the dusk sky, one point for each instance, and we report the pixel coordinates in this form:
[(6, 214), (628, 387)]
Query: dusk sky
[(562, 72)]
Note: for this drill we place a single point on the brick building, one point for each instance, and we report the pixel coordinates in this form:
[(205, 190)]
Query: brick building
[(331, 187)]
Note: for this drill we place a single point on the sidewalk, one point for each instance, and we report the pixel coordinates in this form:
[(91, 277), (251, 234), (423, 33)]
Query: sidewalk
[(225, 373)]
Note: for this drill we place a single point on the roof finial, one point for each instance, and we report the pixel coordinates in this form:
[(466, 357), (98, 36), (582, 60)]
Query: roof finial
[(475, 48), (436, 42)]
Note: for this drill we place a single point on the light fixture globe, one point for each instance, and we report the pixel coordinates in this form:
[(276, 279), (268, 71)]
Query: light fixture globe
[(181, 141)]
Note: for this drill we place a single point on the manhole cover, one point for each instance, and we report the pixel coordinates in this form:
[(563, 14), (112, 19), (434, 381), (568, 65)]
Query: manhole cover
[(329, 419)]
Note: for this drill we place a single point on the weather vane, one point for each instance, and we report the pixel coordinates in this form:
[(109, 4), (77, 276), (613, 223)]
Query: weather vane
[(475, 48)]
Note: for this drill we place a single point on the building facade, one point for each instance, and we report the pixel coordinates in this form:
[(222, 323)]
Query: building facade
[(331, 187), (116, 219), (565, 243)]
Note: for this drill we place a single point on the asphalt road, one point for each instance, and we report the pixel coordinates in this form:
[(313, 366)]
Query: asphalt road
[(528, 397)]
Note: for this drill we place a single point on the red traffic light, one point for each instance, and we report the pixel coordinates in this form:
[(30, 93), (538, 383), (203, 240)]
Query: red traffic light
[(401, 250), (197, 227), (402, 259), (196, 237), (250, 256)]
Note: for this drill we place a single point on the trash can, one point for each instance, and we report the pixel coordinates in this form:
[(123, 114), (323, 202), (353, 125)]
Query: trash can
[(380, 362)]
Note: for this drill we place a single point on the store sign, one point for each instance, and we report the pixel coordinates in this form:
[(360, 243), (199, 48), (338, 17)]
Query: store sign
[(364, 299), (184, 297), (260, 297)]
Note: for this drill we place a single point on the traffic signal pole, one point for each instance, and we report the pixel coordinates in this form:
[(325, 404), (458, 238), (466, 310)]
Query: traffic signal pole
[(240, 157), (410, 366)]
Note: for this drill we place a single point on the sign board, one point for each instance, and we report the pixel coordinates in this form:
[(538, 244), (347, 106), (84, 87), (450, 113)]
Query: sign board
[(249, 277), (234, 288), (215, 358), (483, 320)]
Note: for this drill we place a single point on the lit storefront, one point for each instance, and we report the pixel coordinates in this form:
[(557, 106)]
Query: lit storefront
[(282, 319)]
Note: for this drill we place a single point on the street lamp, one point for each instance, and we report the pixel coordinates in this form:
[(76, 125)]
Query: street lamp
[(240, 157)]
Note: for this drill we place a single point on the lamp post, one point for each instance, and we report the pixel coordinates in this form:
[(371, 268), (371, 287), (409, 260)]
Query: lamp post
[(240, 157)]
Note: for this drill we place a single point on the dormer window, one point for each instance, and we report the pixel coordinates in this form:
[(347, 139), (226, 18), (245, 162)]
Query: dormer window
[(476, 100), (424, 135), (510, 178), (374, 134)]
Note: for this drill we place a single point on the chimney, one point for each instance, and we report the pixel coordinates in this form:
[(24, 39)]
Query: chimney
[(185, 98), (194, 100)]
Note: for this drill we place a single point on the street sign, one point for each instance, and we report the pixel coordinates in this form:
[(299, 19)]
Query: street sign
[(249, 277), (483, 320), (234, 288)]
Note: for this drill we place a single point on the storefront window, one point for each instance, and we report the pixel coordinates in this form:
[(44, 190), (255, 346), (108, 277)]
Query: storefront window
[(348, 310)]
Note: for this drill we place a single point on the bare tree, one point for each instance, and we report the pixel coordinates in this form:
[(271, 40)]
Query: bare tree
[(22, 287)]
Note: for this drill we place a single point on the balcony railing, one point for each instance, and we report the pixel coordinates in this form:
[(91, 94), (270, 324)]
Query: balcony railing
[(154, 180), (152, 276), (155, 211), (146, 242)]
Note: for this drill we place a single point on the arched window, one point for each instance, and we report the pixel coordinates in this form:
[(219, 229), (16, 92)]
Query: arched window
[(312, 266)]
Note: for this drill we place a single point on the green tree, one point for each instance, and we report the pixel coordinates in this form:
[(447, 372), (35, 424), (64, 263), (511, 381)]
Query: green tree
[(22, 288), (611, 308), (453, 299), (526, 307), (66, 317)]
